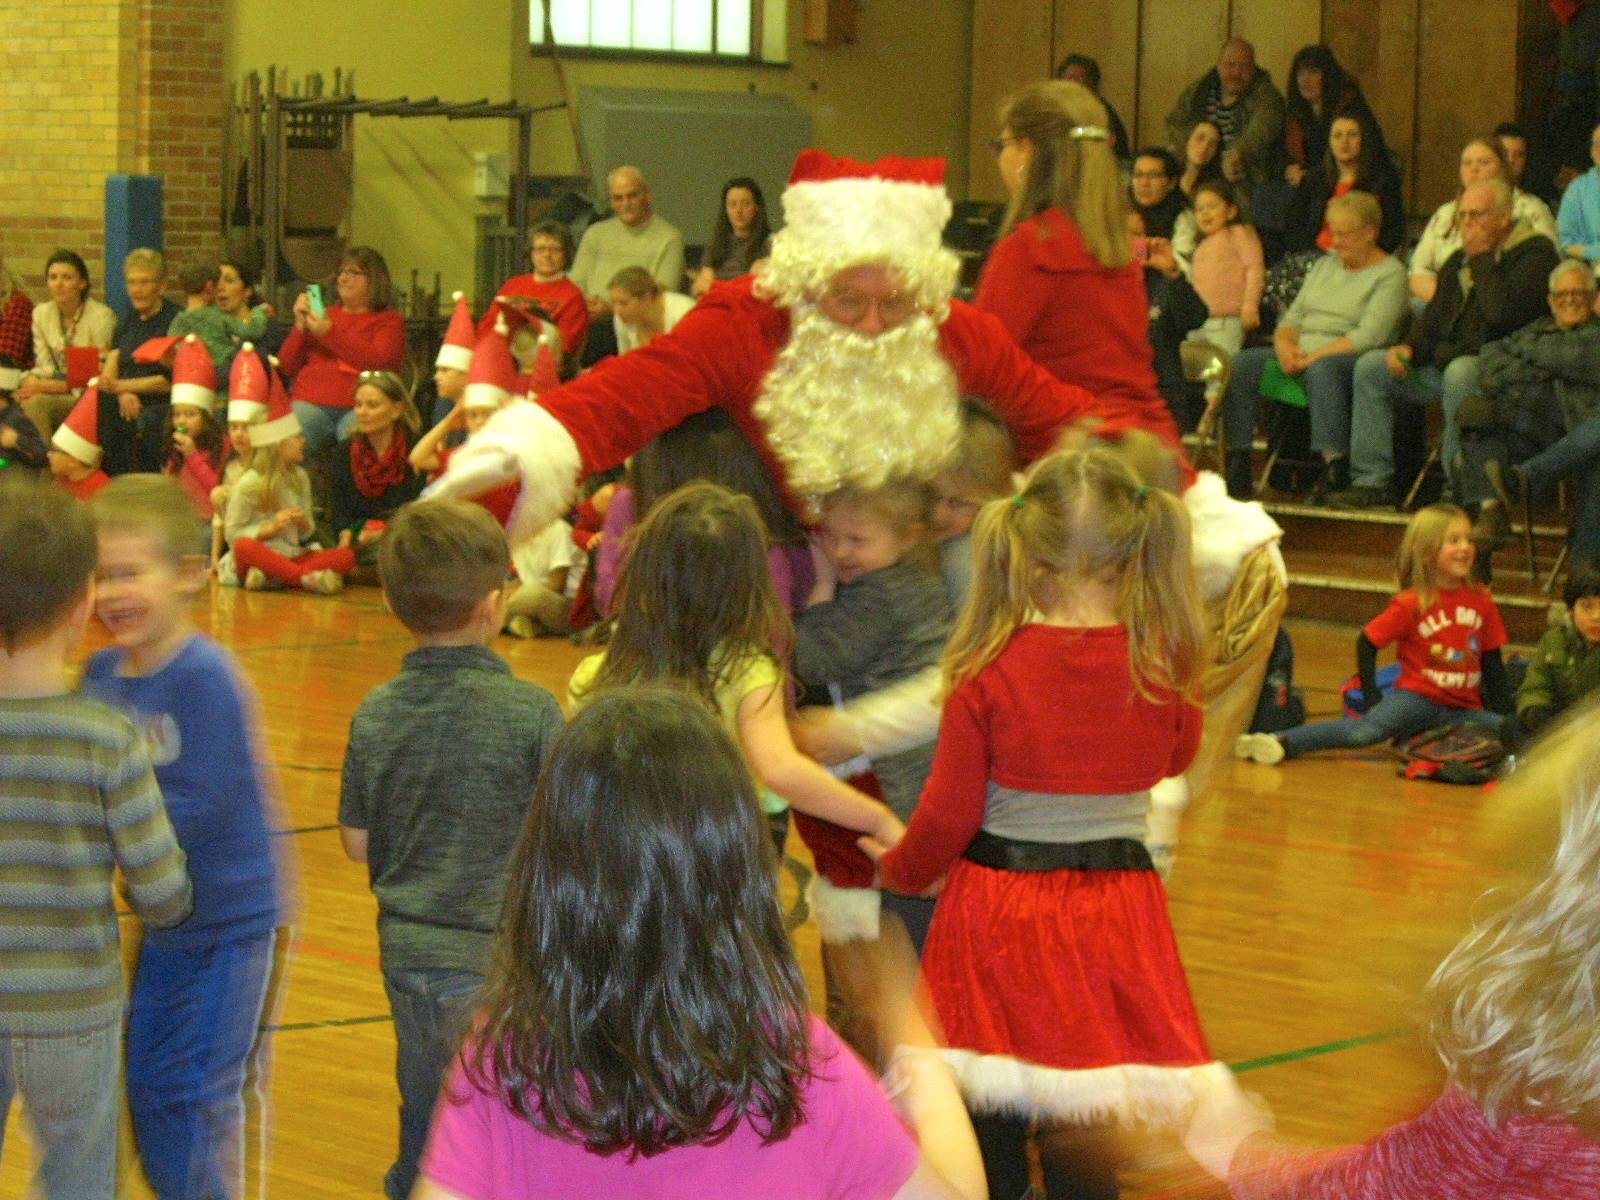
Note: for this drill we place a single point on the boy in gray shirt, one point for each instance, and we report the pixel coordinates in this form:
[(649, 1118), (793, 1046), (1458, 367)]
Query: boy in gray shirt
[(438, 776)]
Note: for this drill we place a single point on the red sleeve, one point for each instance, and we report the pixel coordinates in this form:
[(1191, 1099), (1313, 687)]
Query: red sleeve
[(713, 357), (950, 812), (1191, 723), (1493, 635), (1394, 622), (572, 319), (1009, 289), (293, 353), (1033, 403), (367, 341)]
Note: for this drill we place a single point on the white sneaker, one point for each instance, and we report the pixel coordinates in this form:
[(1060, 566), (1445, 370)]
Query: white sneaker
[(324, 583), (520, 626), (1263, 748), (255, 580)]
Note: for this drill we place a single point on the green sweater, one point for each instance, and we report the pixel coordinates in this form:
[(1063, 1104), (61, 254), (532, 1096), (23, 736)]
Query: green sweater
[(77, 800), (1565, 669)]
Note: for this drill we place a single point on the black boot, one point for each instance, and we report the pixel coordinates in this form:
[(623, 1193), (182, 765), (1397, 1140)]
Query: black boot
[(1239, 475), (1335, 477)]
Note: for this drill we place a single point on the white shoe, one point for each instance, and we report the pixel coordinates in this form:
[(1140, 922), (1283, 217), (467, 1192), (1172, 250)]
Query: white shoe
[(255, 580), (324, 583), (520, 626), (1263, 748)]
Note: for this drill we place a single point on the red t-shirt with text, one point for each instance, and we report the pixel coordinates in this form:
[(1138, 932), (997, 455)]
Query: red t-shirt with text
[(1441, 649)]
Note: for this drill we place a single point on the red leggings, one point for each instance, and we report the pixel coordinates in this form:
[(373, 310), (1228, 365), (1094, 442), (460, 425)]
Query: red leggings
[(248, 552)]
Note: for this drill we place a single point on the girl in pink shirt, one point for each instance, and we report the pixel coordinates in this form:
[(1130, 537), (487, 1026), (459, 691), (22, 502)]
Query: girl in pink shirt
[(1229, 269), (1516, 1018), (644, 1029)]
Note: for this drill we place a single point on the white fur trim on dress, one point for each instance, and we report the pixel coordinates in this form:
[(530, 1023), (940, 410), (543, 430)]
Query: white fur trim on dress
[(457, 358), (70, 441), (844, 914), (1130, 1094), (1226, 531), (522, 441), (1168, 800), (194, 395)]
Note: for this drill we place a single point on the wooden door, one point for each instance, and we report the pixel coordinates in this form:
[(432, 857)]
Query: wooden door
[(1178, 42)]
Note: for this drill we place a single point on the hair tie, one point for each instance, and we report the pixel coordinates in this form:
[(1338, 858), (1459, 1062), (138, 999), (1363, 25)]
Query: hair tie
[(1141, 493), (1089, 133), (1016, 501)]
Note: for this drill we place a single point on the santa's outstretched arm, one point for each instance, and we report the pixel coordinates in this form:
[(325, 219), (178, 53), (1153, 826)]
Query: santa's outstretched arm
[(598, 420)]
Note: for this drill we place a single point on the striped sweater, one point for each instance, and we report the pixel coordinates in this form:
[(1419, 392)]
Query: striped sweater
[(77, 799)]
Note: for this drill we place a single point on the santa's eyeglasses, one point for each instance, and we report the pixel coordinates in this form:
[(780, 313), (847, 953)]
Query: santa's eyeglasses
[(850, 306)]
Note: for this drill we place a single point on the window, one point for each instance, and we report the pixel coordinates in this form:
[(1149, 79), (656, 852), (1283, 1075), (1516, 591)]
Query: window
[(719, 29)]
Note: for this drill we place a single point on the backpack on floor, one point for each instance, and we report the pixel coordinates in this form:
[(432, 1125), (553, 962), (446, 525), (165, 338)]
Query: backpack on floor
[(1281, 705), (1350, 689), (1463, 752)]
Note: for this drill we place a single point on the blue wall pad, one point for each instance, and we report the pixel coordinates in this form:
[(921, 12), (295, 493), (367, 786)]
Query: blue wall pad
[(133, 219)]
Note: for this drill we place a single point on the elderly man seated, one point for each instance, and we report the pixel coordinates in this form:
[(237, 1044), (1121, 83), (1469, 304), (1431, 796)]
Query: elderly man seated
[(637, 238), (1492, 286), (1538, 418), (1352, 301), (1241, 101)]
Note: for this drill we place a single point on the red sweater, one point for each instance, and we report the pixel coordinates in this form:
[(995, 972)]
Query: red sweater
[(561, 298), (85, 487), (325, 369), (1450, 1152), (1077, 320), (1055, 712)]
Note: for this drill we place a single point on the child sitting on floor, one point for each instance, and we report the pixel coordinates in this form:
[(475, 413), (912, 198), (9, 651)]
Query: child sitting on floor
[(196, 450), (75, 451), (1449, 635), (20, 443), (1566, 665)]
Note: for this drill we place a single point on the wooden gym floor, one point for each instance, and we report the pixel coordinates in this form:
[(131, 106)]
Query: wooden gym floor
[(1311, 901)]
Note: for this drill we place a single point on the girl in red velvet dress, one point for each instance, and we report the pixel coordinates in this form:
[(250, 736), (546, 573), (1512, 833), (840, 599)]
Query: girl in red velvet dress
[(1051, 960)]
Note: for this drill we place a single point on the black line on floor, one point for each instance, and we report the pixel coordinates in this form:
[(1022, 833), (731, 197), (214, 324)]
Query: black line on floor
[(304, 829), (331, 1023)]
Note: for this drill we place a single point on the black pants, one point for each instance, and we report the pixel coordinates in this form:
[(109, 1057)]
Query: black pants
[(132, 445), (1072, 1161)]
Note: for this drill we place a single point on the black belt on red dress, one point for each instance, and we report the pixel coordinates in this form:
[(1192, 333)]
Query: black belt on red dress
[(1107, 854)]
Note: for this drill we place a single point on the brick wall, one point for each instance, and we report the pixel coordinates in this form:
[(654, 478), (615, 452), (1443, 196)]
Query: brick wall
[(100, 86)]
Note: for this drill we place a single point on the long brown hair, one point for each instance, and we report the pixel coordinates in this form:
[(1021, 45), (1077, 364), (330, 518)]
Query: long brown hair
[(1073, 166), (1083, 515), (695, 599), (642, 993)]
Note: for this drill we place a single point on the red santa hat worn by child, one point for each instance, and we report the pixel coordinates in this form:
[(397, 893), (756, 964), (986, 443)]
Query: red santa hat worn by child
[(840, 213), (79, 434), (456, 350), (492, 381), (194, 376), (281, 423), (544, 375), (247, 385)]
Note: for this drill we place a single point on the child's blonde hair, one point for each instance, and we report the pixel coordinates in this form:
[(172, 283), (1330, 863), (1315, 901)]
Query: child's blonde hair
[(1516, 1005), (984, 461), (268, 464), (903, 504), (1419, 549), (1084, 516)]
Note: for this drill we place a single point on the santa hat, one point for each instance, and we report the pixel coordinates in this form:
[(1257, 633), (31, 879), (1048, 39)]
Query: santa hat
[(247, 385), (281, 423), (459, 336), (154, 350), (840, 213), (544, 375), (493, 377), (194, 377), (79, 434)]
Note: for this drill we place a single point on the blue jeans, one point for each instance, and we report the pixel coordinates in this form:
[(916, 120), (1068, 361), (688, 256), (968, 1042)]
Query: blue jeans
[(431, 1007), (1327, 384), (1399, 714), (69, 1095), (1577, 454), (193, 1019), (1376, 393), (323, 424)]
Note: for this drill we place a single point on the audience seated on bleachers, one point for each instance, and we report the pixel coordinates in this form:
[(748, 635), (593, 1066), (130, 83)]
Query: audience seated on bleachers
[(1354, 158), (70, 320), (637, 238), (1579, 225), (640, 310), (1247, 109), (740, 237), (548, 287)]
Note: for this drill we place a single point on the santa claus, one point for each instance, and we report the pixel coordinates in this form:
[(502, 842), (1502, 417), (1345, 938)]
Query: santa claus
[(841, 360)]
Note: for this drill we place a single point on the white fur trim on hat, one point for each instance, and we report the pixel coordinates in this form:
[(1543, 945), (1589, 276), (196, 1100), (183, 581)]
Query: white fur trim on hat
[(70, 441), (1130, 1094), (484, 395), (194, 395), (270, 433), (245, 410), (458, 358), (844, 914), (521, 441)]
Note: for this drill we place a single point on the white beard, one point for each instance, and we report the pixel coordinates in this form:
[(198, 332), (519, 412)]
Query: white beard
[(844, 409)]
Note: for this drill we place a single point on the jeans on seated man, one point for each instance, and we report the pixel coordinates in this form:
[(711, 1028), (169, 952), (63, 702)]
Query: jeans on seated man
[(1540, 408), (1489, 288), (1351, 301)]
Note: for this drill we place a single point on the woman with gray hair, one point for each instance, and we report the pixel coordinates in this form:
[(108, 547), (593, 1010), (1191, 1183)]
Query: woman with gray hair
[(1353, 300)]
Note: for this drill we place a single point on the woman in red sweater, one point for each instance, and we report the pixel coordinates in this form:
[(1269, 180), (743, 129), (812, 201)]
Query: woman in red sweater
[(325, 355), (1062, 277), (1516, 1023)]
